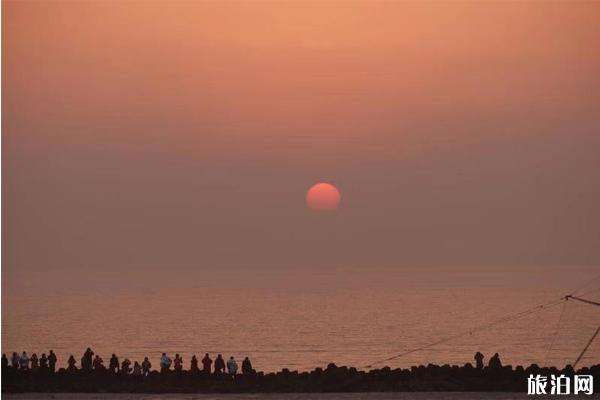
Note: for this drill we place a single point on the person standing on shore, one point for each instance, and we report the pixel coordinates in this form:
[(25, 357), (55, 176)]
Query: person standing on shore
[(34, 362), (206, 364), (479, 360), (165, 363), (232, 366), (219, 365), (246, 366), (4, 362), (194, 365), (43, 362), (113, 364), (495, 362), (14, 360), (137, 369), (146, 365), (71, 364), (52, 361), (98, 363), (125, 370), (178, 363), (86, 360), (24, 361)]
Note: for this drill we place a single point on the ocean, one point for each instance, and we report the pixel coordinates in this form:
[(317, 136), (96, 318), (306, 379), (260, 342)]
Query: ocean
[(300, 329)]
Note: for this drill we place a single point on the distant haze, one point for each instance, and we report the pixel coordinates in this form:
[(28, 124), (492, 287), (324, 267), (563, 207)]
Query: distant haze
[(144, 138)]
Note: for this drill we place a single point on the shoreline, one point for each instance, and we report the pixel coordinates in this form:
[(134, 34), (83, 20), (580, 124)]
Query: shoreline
[(333, 379)]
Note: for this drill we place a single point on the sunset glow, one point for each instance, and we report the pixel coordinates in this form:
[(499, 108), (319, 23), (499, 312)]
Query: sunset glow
[(173, 174)]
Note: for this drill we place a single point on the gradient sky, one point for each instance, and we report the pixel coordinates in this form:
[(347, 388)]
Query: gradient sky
[(146, 136)]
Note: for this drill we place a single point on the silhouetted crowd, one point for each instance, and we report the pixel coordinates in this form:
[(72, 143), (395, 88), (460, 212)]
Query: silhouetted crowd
[(25, 363), (88, 362), (93, 362)]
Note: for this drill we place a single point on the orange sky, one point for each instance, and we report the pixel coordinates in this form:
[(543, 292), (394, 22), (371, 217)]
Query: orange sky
[(141, 134)]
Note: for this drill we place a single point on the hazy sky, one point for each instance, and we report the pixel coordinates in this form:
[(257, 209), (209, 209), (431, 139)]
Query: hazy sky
[(173, 136)]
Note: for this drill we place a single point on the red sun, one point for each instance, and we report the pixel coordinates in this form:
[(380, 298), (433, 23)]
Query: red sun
[(323, 196)]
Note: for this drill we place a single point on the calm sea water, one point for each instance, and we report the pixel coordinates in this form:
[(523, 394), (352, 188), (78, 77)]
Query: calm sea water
[(299, 329)]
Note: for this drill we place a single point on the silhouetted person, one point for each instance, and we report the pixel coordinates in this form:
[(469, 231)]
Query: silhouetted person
[(125, 367), (14, 360), (137, 369), (52, 361), (194, 364), (4, 362), (43, 362), (232, 366), (34, 362), (165, 363), (178, 362), (98, 363), (72, 364), (146, 365), (246, 366), (479, 360), (113, 364), (495, 362), (206, 364), (24, 362), (86, 360), (219, 365)]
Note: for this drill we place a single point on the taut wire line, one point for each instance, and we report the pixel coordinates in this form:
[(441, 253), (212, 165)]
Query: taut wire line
[(562, 313), (586, 347), (594, 303)]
